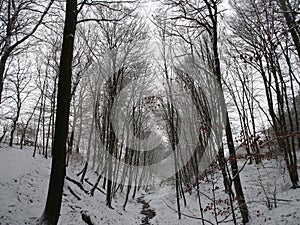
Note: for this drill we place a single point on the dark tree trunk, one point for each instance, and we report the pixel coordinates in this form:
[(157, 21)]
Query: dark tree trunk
[(70, 146), (234, 167), (3, 135), (14, 126), (291, 23), (11, 137), (58, 169), (12, 132), (39, 122), (222, 163), (235, 173), (110, 169), (2, 71), (26, 126)]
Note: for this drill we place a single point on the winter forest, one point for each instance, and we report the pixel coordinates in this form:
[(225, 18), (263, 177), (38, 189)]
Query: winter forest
[(149, 112)]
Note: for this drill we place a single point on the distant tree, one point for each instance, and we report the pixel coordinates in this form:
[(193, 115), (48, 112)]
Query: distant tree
[(18, 91), (261, 43), (19, 20), (81, 62), (193, 20), (120, 55), (26, 129)]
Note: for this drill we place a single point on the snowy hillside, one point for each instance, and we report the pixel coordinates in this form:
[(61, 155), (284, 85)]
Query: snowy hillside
[(24, 184), (150, 112)]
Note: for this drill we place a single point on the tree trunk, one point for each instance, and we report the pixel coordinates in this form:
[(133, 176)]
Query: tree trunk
[(2, 71), (15, 121), (234, 167), (3, 135), (58, 169), (235, 173), (11, 140), (291, 23), (88, 151), (39, 122), (71, 140)]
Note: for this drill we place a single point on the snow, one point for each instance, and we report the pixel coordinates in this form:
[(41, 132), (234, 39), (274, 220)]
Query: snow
[(24, 184)]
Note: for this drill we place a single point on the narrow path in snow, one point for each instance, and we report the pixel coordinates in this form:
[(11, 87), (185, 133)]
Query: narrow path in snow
[(147, 211)]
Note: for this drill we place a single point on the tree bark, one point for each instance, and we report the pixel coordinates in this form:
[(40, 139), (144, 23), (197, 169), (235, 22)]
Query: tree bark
[(291, 23), (234, 167), (58, 169), (2, 71)]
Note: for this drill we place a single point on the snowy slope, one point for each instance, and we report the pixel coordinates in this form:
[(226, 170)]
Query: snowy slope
[(24, 183), (23, 189)]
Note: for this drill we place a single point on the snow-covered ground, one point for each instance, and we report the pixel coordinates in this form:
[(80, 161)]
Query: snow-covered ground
[(23, 190), (24, 183)]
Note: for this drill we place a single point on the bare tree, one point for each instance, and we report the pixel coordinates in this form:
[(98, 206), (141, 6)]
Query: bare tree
[(17, 93), (200, 18), (58, 169), (259, 45), (20, 19), (124, 46), (290, 10)]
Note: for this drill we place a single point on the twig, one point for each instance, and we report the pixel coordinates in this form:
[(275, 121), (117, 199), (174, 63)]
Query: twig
[(189, 216), (87, 181), (73, 193), (283, 200), (77, 183)]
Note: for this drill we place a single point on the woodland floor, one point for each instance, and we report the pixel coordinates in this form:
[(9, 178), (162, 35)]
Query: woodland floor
[(24, 183)]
